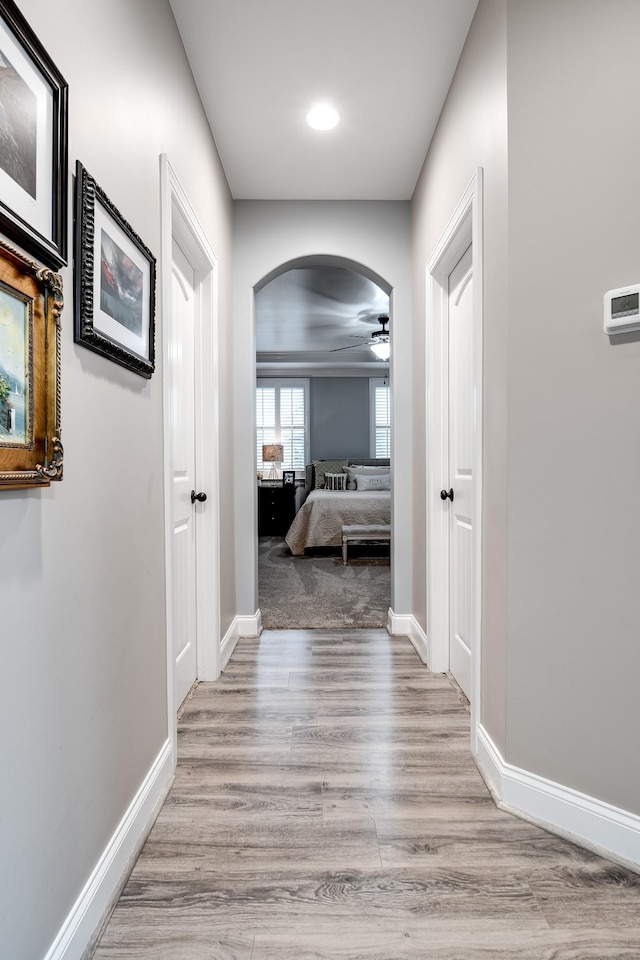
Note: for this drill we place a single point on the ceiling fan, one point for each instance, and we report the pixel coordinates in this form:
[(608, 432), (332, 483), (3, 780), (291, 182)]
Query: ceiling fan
[(378, 341)]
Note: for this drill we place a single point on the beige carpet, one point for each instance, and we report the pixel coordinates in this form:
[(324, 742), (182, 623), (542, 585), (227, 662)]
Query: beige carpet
[(319, 591)]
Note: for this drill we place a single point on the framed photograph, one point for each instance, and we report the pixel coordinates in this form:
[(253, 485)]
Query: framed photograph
[(288, 478), (33, 142), (31, 453), (115, 282)]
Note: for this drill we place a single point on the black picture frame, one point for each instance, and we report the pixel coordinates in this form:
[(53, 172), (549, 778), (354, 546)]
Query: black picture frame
[(33, 143), (114, 281), (288, 478)]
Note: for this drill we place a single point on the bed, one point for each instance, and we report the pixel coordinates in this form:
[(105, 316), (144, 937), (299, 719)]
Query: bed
[(324, 512)]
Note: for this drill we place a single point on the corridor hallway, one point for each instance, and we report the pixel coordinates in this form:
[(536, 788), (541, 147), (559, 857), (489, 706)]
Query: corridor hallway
[(326, 807)]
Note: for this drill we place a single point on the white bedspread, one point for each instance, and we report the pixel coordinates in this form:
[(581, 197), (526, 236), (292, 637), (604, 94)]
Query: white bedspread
[(320, 519)]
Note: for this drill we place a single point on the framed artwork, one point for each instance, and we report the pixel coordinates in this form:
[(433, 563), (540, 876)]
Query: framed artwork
[(288, 478), (115, 282), (33, 142), (31, 453)]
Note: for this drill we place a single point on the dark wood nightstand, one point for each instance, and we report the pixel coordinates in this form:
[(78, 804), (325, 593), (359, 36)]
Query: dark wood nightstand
[(276, 509)]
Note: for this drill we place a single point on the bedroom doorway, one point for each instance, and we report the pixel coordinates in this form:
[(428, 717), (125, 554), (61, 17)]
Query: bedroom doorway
[(321, 395)]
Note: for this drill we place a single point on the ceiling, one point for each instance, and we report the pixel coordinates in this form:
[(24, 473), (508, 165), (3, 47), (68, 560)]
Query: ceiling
[(306, 313), (386, 65)]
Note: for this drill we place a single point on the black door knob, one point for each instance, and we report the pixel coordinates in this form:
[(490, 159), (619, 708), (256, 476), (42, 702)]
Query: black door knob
[(446, 494), (198, 496)]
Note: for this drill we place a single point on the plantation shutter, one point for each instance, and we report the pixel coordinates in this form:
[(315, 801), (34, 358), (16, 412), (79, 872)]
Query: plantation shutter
[(265, 420), (282, 416), (382, 421), (292, 421)]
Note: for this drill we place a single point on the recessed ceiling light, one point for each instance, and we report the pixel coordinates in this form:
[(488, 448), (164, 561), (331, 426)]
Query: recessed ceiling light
[(323, 117)]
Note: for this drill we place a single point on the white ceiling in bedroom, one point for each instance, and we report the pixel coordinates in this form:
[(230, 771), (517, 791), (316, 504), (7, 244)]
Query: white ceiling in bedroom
[(305, 314)]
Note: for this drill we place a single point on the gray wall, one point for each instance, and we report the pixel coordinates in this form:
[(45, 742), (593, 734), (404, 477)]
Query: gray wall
[(82, 593), (561, 546), (339, 417), (574, 456)]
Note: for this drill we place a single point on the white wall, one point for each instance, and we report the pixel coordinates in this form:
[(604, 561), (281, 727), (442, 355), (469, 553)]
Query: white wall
[(471, 133), (82, 684), (266, 235), (574, 455)]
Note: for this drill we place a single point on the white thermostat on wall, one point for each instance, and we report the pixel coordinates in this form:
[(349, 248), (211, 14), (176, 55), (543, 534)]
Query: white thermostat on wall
[(622, 310)]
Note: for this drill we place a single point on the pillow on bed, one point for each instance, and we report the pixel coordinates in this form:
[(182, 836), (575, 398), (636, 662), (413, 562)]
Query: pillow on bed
[(335, 481), (323, 467), (355, 471), (367, 481)]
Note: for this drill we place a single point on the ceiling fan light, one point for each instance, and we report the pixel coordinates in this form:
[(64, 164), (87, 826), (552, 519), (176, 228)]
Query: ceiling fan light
[(382, 349)]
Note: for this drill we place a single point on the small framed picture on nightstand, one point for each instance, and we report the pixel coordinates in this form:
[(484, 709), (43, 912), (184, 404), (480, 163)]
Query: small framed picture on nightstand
[(288, 478)]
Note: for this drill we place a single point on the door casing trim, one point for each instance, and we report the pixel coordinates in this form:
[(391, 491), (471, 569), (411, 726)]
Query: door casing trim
[(464, 228), (180, 223)]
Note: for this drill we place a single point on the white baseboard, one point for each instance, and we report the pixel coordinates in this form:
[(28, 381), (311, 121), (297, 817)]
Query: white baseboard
[(607, 830), (398, 625), (406, 625), (92, 908), (228, 645), (250, 626), (419, 639)]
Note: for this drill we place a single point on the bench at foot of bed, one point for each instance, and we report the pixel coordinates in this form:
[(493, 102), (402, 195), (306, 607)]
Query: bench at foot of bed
[(361, 533)]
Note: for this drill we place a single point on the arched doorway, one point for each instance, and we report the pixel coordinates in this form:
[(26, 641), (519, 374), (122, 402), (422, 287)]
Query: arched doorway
[(323, 395)]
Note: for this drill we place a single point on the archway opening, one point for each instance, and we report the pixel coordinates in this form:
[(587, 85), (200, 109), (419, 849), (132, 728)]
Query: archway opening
[(323, 401)]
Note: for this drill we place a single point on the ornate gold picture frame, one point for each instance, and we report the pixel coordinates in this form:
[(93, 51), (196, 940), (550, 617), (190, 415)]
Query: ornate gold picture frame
[(31, 453)]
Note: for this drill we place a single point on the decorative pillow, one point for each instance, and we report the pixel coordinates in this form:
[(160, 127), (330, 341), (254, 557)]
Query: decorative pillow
[(366, 481), (327, 466), (335, 481), (355, 471)]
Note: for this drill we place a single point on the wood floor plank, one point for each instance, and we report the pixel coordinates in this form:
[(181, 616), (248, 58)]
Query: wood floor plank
[(346, 772), (296, 707), (381, 729), (159, 937), (241, 740), (594, 895), (186, 835), (230, 801), (319, 899), (326, 807), (356, 679), (422, 942), (410, 801), (445, 758)]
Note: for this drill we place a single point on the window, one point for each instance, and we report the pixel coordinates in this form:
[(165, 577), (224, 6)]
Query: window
[(282, 416), (380, 418)]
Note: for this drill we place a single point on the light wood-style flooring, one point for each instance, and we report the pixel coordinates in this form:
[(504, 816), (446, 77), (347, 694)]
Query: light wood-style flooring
[(326, 807)]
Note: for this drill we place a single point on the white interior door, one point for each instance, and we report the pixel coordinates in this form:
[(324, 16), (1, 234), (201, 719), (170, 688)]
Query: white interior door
[(182, 415), (461, 476)]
